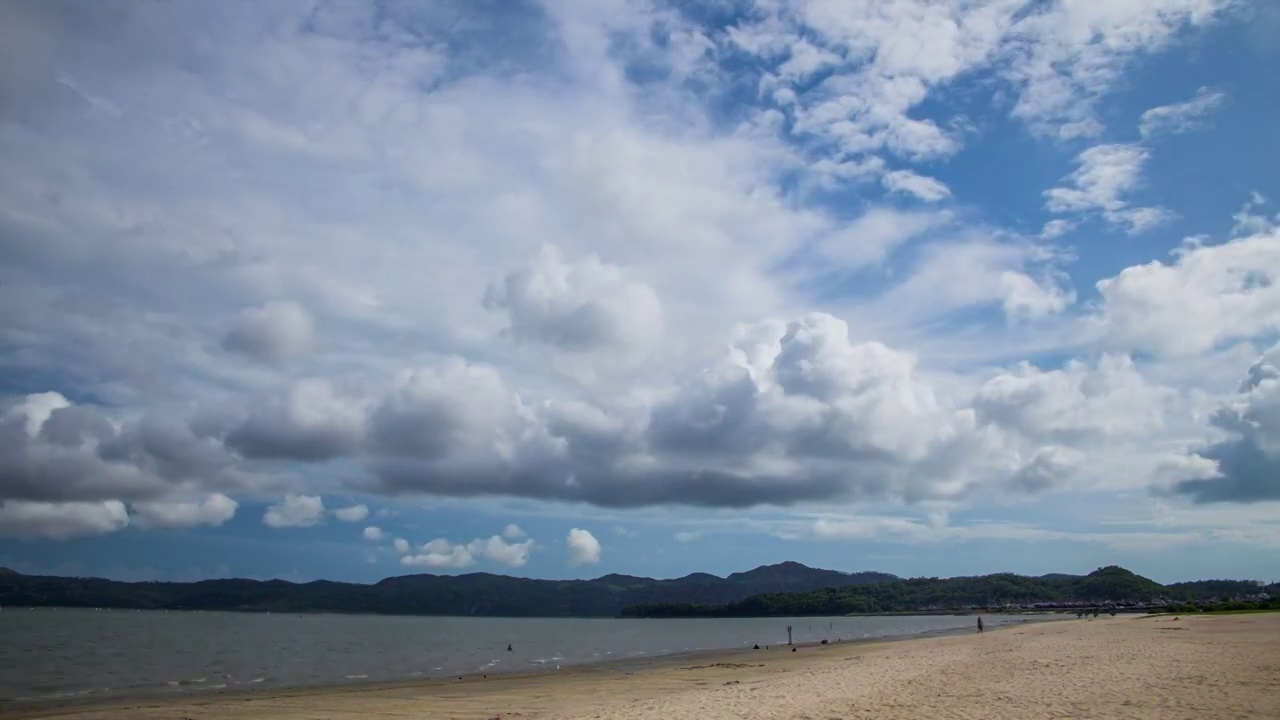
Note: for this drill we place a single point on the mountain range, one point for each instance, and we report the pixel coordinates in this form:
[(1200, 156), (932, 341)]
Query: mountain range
[(787, 587), (470, 594)]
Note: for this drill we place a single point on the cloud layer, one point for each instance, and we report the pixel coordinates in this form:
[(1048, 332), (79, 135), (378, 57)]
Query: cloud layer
[(635, 255)]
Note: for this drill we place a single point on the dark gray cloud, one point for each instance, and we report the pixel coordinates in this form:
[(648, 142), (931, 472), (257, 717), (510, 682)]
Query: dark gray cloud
[(850, 421), (1249, 462), (53, 451), (308, 422), (271, 333), (64, 463)]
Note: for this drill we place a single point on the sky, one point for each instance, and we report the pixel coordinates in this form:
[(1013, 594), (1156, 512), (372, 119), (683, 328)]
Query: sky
[(562, 288)]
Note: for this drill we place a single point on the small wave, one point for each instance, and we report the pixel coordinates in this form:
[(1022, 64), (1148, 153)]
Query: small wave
[(258, 679), (355, 677)]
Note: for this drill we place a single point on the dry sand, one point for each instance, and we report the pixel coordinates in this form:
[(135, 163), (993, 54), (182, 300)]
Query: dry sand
[(1193, 668)]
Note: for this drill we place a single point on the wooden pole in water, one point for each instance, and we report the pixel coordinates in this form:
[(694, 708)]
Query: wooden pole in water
[(789, 636)]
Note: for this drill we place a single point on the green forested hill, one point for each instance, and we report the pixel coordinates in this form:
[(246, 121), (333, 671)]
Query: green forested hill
[(771, 590), (470, 594), (1109, 584)]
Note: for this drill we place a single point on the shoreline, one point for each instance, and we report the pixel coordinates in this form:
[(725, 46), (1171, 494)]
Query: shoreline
[(77, 705), (1203, 667)]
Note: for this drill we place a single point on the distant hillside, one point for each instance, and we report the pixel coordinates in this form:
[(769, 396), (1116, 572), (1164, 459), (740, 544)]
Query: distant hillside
[(1200, 589), (472, 594), (1109, 584)]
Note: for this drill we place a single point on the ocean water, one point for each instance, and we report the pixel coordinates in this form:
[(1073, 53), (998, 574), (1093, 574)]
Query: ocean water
[(52, 655)]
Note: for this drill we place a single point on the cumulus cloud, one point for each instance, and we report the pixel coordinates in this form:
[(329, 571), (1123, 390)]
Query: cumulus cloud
[(1074, 403), (355, 513), (1207, 295), (441, 553), (308, 421), (577, 306), (583, 547), (1104, 177), (373, 533), (212, 510), (1180, 117), (274, 332), (497, 550), (60, 520), (54, 450), (1247, 463), (456, 410), (794, 411), (295, 511), (619, 215), (513, 532)]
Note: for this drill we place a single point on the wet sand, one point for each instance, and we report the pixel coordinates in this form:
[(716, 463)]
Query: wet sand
[(1125, 667)]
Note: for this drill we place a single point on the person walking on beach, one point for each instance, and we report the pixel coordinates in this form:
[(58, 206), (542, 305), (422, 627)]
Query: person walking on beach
[(979, 624)]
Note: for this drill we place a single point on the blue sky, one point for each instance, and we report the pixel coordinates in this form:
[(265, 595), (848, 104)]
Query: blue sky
[(564, 288)]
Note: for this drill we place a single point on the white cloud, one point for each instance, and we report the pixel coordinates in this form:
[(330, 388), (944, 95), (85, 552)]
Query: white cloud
[(274, 332), (1056, 228), (1069, 55), (212, 510), (1106, 174), (913, 531), (1208, 295), (513, 532), (440, 553), (578, 306), (949, 277), (876, 234), (355, 513), (373, 533), (295, 511), (713, 309), (925, 188), (1249, 221), (1108, 400), (583, 547), (60, 520), (497, 550), (686, 536), (1180, 117)]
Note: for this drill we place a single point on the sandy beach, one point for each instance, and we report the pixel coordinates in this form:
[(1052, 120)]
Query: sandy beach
[(1126, 667)]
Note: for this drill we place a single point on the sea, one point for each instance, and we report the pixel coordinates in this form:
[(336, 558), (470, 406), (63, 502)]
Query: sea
[(60, 655)]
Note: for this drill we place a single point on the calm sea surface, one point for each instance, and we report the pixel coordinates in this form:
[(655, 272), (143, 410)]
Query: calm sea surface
[(51, 655)]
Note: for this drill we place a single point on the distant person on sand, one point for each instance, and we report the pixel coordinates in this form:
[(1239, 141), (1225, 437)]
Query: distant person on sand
[(979, 624)]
